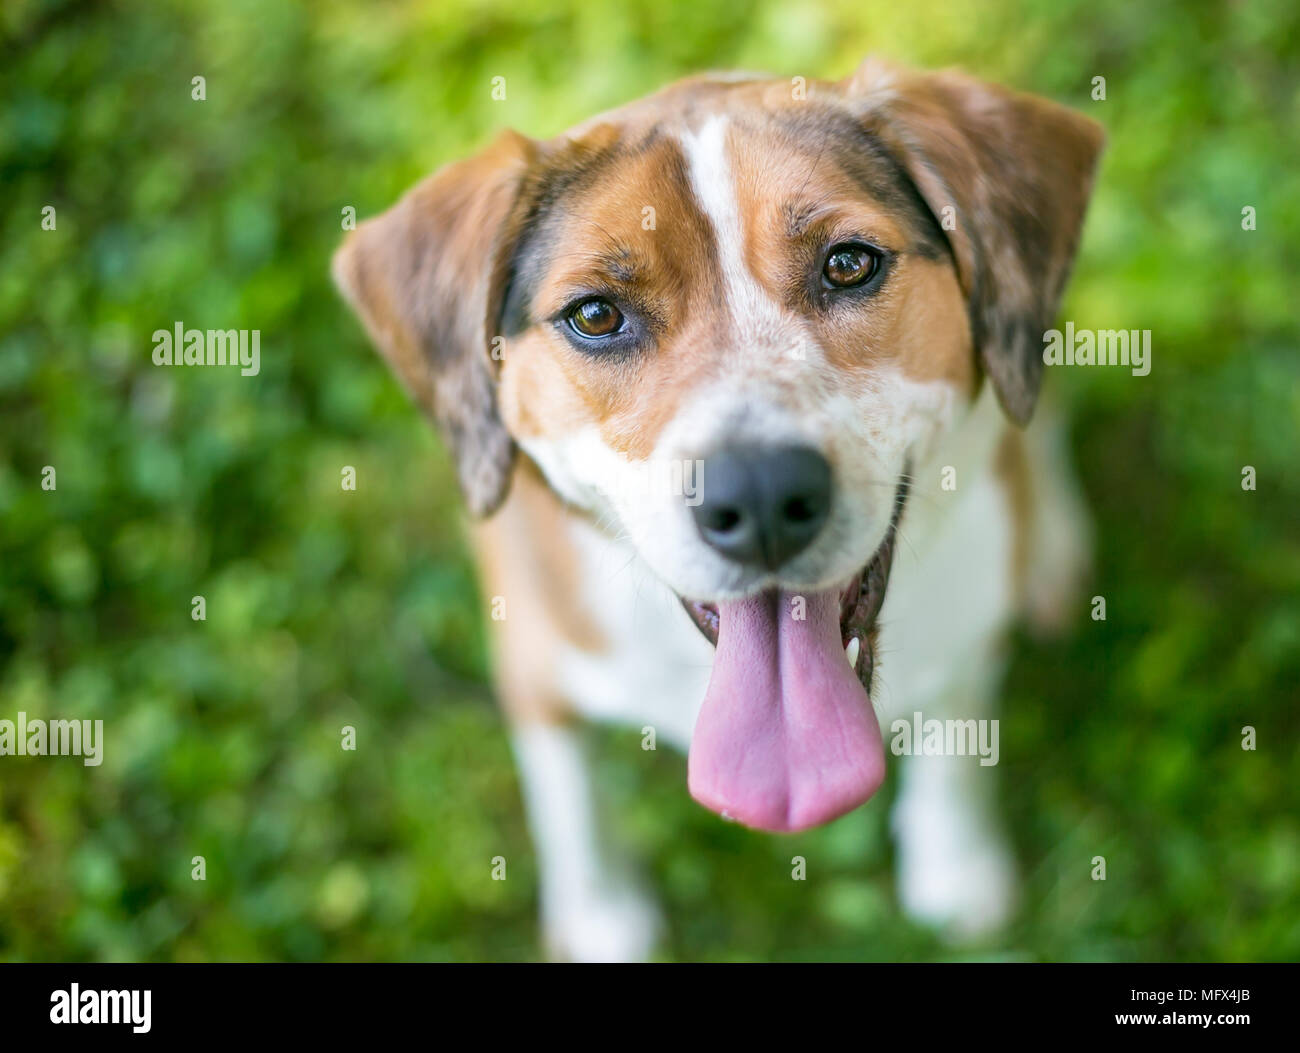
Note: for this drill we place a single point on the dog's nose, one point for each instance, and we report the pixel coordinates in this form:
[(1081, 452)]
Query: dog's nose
[(763, 505)]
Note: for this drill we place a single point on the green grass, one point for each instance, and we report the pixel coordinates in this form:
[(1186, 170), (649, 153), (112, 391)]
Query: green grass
[(328, 608)]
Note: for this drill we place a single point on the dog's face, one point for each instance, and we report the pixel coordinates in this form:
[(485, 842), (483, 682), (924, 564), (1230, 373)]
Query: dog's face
[(727, 318), (746, 273)]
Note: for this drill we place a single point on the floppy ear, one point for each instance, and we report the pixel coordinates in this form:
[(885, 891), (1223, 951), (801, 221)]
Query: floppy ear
[(1017, 172), (427, 279)]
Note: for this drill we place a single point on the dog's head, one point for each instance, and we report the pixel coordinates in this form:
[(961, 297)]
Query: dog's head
[(725, 319)]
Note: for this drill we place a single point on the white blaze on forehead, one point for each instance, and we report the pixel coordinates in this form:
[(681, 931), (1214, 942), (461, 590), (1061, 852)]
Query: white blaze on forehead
[(755, 316)]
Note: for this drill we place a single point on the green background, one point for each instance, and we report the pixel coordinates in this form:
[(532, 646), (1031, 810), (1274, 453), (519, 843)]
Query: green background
[(328, 608)]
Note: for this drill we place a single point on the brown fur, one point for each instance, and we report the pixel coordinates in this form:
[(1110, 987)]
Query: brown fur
[(666, 269), (1012, 469), (526, 556)]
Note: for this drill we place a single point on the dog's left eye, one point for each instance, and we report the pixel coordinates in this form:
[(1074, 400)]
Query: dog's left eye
[(595, 317), (847, 265)]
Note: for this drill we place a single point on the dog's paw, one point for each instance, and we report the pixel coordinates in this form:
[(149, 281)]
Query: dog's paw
[(965, 893), (619, 924)]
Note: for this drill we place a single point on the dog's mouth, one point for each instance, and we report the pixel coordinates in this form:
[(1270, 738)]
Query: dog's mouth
[(860, 602), (787, 738)]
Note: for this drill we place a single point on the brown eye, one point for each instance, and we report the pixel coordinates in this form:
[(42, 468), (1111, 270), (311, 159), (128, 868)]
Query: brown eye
[(595, 318), (849, 265)]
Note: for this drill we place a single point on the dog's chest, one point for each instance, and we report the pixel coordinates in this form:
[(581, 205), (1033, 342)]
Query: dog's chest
[(655, 665)]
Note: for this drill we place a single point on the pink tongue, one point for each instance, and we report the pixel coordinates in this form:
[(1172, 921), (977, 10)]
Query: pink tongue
[(786, 738)]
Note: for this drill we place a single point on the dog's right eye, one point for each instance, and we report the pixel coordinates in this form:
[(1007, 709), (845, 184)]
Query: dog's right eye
[(594, 318)]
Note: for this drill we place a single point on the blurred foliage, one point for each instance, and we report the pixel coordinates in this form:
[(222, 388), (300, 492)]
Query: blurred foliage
[(328, 608)]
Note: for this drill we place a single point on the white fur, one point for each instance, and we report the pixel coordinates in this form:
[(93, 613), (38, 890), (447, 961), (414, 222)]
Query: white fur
[(656, 665), (761, 325)]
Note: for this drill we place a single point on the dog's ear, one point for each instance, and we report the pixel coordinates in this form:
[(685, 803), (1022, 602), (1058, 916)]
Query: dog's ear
[(1008, 177), (427, 279)]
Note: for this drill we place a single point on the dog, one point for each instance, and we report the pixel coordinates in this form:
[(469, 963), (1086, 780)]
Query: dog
[(714, 367)]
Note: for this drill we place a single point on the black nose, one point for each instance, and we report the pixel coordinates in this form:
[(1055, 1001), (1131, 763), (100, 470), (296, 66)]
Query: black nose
[(763, 505)]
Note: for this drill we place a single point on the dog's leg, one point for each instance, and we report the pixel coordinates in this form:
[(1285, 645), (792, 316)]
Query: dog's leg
[(942, 630), (592, 910), (531, 570), (955, 870)]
